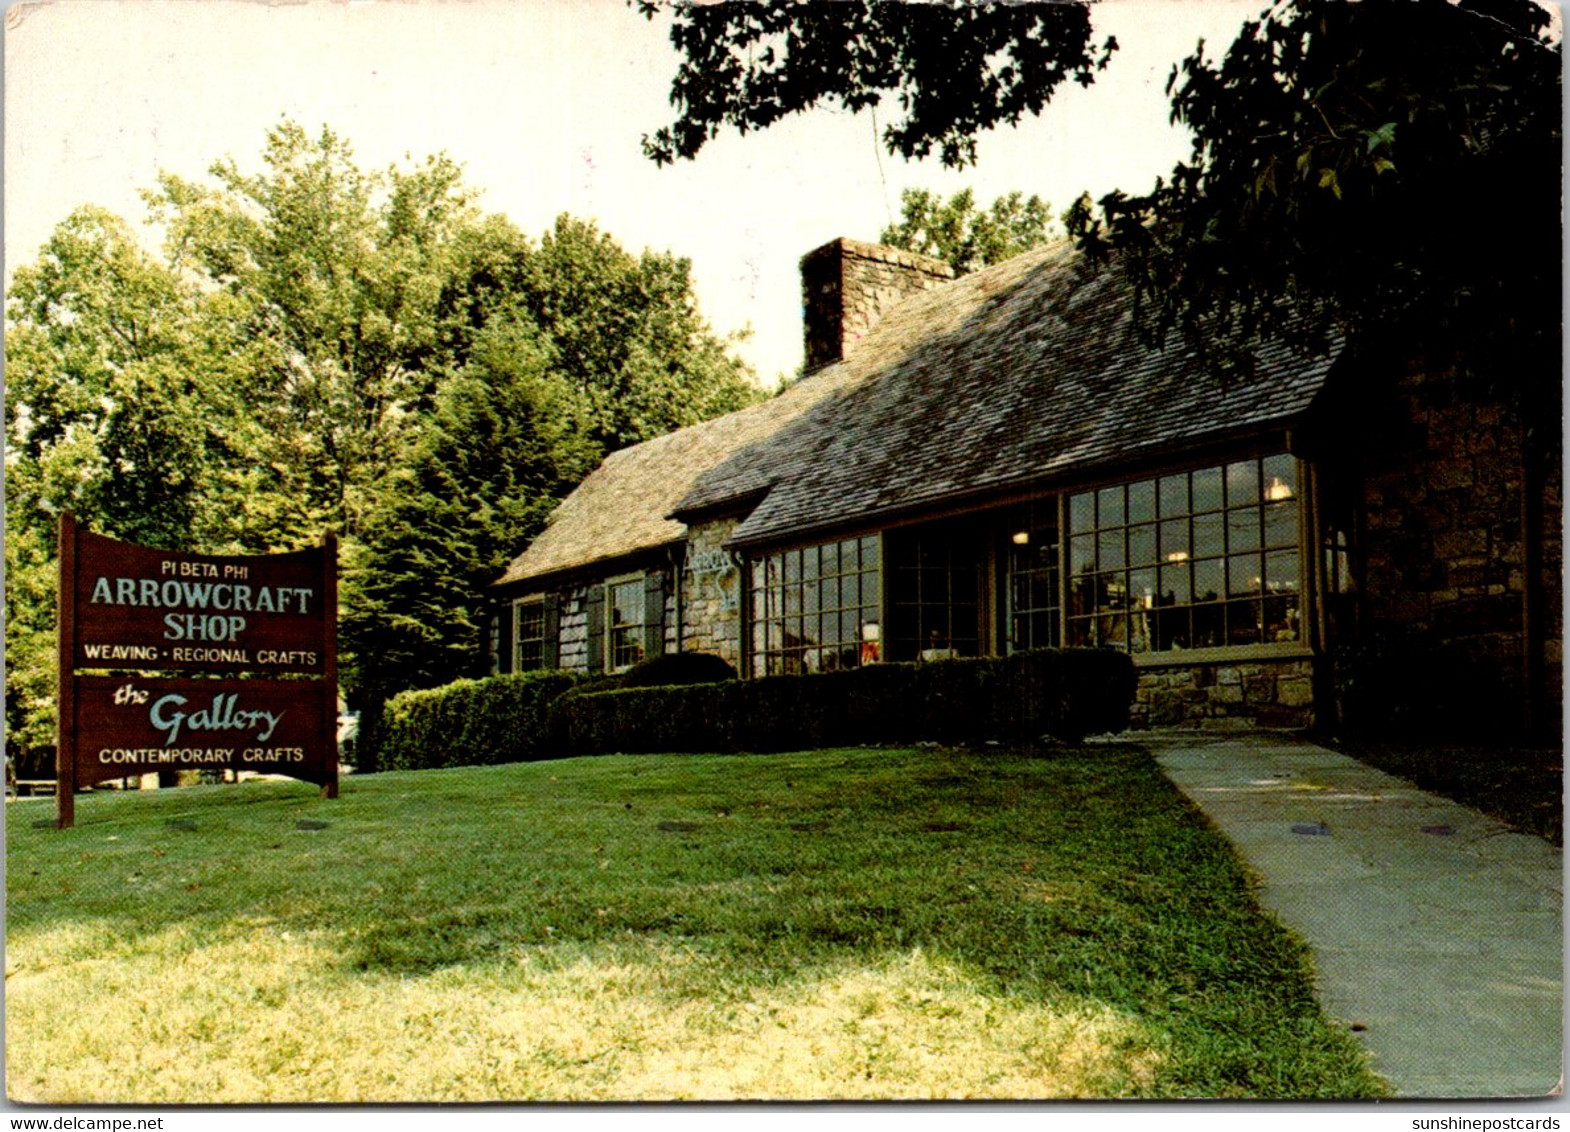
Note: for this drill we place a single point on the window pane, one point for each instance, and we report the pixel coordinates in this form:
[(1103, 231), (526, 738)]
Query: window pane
[(831, 559), (1082, 513), (1281, 571), (1281, 523), (1142, 501), (792, 566), (1043, 590), (1280, 477), (1110, 544), (1209, 534), (809, 564), (627, 603), (1243, 575), (809, 598), (1109, 507), (1172, 629), (1242, 482), (1174, 540), (870, 557), (1142, 545), (1207, 489), (1209, 625), (1243, 623), (1175, 585), (1082, 553), (1081, 593), (962, 584), (850, 557), (1142, 588), (1208, 583), (1174, 495), (1081, 632), (1243, 529)]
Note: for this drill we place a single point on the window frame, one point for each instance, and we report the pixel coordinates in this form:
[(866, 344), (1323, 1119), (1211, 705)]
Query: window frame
[(788, 589), (638, 629), (519, 610), (1219, 524)]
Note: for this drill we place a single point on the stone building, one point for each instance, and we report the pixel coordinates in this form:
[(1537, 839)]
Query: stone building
[(994, 463)]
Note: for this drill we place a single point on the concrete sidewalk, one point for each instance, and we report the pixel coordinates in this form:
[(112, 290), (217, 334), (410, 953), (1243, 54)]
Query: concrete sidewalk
[(1436, 931)]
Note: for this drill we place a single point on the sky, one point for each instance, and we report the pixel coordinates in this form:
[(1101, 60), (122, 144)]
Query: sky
[(544, 103)]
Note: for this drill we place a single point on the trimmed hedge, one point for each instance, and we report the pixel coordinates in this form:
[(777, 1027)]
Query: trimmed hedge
[(672, 668), (501, 719), (1066, 694)]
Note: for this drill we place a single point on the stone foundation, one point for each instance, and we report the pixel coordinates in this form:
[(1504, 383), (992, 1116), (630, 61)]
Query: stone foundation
[(1230, 695)]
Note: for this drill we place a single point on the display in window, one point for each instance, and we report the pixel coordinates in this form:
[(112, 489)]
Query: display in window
[(1218, 567), (812, 608)]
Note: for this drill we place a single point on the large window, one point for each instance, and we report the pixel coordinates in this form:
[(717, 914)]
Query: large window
[(816, 608), (1031, 578), (625, 623), (935, 603), (528, 636), (1196, 559)]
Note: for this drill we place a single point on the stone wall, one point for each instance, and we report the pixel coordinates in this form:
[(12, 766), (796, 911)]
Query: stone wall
[(1226, 696), (847, 284), (1447, 502), (711, 594)]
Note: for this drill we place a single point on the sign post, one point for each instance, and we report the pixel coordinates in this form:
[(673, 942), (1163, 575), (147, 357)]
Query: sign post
[(255, 638)]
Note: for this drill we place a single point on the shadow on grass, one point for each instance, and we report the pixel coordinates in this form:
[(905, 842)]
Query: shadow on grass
[(1082, 875)]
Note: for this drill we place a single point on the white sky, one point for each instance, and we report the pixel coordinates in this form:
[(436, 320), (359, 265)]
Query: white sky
[(543, 102)]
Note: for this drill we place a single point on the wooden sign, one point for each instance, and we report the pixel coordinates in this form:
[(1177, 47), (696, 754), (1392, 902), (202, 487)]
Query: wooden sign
[(141, 612), (142, 608)]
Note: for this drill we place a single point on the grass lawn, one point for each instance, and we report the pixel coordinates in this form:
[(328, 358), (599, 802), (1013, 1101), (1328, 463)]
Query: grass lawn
[(832, 924)]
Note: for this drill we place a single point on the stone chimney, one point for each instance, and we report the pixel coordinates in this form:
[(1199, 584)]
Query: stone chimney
[(846, 285)]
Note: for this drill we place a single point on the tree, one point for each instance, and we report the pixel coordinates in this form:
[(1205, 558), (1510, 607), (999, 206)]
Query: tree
[(555, 354), (957, 68), (323, 348), (1349, 159), (967, 239), (1348, 162), (627, 334), (107, 387), (333, 274), (500, 445), (115, 409)]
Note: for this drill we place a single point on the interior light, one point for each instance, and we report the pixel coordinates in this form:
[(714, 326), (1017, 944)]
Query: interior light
[(1178, 556), (1278, 490), (1021, 538), (870, 631)]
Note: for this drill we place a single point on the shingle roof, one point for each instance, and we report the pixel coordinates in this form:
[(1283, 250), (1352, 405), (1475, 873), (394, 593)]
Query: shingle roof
[(1006, 377), (624, 505)]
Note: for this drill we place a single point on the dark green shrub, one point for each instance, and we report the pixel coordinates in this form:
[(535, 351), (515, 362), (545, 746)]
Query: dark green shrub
[(691, 717), (501, 719), (673, 668), (1019, 699), (1406, 684)]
